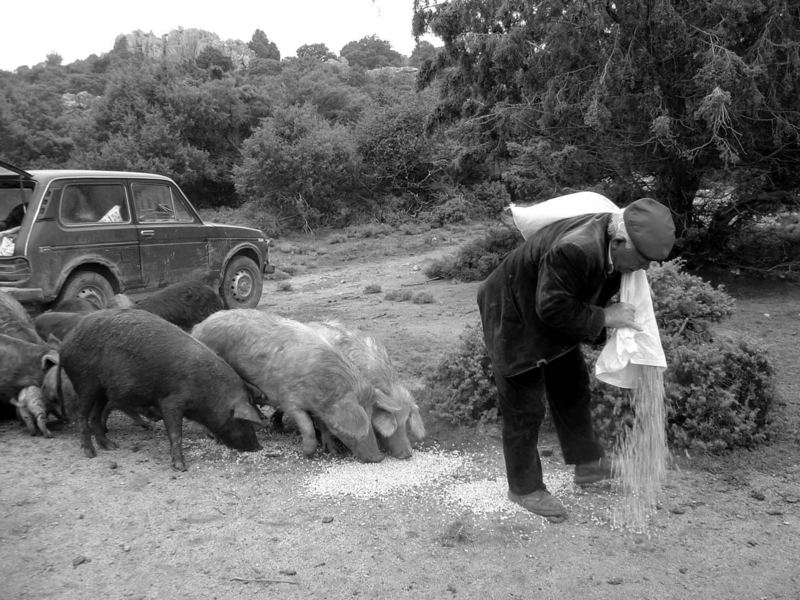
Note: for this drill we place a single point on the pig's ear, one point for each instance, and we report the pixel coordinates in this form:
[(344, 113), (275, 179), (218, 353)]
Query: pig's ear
[(384, 422), (415, 423), (256, 394), (247, 412), (387, 403), (349, 419), (50, 359)]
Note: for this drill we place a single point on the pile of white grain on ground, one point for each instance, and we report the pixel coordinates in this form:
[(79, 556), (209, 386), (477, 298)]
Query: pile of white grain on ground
[(459, 481), (642, 456)]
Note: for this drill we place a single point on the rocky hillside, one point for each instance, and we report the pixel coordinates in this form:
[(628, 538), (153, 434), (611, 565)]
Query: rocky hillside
[(180, 44)]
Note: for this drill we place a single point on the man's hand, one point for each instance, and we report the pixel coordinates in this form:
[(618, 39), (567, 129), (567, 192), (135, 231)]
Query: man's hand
[(621, 315)]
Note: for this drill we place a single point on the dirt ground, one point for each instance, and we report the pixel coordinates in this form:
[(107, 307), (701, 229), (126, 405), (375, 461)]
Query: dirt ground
[(237, 526)]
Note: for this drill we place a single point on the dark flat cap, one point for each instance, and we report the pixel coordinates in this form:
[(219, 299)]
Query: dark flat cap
[(651, 229)]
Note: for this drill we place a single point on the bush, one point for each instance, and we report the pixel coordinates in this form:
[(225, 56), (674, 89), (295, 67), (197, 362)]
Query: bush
[(462, 385), (717, 394), (718, 390), (299, 165), (398, 295), (423, 298), (477, 259), (686, 304)]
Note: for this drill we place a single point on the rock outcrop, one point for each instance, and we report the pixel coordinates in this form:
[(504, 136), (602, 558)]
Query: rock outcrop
[(182, 44)]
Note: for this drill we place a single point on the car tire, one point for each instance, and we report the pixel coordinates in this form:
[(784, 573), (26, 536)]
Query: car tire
[(242, 283), (89, 285)]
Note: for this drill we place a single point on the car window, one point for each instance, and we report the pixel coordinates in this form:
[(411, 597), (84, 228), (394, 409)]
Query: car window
[(156, 203), (13, 204), (89, 204)]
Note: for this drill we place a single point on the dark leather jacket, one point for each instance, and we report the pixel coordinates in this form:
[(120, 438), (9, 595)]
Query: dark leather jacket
[(546, 297)]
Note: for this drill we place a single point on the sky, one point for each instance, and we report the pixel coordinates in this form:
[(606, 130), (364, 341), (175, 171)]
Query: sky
[(76, 29)]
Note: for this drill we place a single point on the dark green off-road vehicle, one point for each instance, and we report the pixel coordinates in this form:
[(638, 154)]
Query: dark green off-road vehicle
[(92, 234)]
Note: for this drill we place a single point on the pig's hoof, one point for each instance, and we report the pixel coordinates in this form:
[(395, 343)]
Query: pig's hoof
[(107, 444), (48, 434), (89, 452), (178, 465)]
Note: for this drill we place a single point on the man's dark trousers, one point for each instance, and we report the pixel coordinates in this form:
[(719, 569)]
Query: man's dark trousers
[(564, 381)]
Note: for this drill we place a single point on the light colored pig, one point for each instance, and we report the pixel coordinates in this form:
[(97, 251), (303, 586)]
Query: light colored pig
[(299, 372), (395, 413)]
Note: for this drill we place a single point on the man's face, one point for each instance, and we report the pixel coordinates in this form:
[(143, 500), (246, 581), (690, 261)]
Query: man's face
[(626, 258)]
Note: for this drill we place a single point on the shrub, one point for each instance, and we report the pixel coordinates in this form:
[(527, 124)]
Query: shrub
[(718, 390), (454, 209), (684, 303), (423, 298), (477, 259), (717, 394), (398, 295), (462, 385), (397, 157), (299, 165)]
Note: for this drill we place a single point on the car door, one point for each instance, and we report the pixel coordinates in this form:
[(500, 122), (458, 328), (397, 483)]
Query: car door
[(86, 222), (173, 243)]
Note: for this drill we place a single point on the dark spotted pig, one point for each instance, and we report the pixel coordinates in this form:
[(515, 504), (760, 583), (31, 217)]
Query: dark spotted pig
[(395, 413), (185, 303), (134, 359), (81, 305), (299, 372), (56, 323), (22, 364), (15, 320)]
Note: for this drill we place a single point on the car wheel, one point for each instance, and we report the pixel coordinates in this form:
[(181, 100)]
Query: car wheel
[(241, 284), (88, 285)]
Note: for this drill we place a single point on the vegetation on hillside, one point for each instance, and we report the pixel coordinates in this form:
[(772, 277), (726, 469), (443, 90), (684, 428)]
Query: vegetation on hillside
[(695, 105)]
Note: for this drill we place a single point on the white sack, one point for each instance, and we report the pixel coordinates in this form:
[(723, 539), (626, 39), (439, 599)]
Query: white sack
[(627, 349), (530, 219)]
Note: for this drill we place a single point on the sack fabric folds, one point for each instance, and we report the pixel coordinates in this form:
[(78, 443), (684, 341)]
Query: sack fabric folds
[(626, 350)]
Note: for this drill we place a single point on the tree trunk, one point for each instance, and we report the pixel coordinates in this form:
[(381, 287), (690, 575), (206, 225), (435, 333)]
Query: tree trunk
[(677, 184)]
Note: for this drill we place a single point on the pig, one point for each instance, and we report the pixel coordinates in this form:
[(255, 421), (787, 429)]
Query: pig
[(134, 359), (33, 409), (22, 363), (15, 320), (395, 413), (79, 305), (57, 389), (120, 301), (56, 323), (185, 303), (299, 372), (64, 395)]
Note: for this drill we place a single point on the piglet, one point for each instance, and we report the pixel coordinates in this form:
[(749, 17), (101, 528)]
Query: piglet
[(134, 359), (33, 410)]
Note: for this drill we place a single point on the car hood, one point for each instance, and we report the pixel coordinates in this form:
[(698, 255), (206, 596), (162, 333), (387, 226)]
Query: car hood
[(224, 230)]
